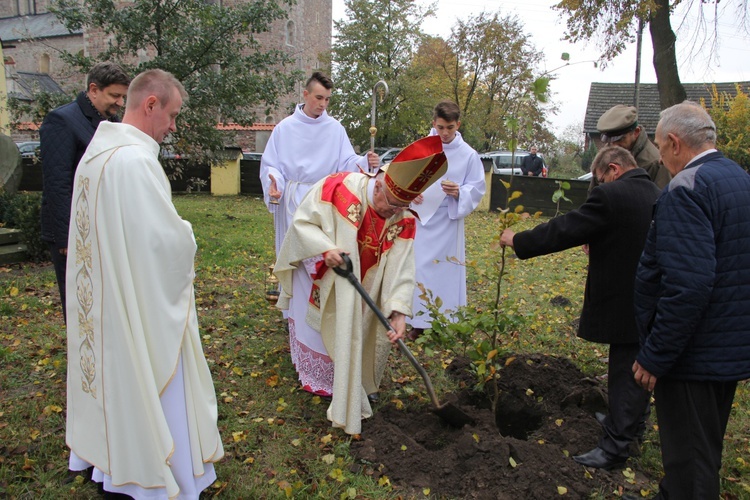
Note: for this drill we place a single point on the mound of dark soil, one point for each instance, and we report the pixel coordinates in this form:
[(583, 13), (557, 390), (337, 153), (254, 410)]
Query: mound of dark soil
[(545, 416)]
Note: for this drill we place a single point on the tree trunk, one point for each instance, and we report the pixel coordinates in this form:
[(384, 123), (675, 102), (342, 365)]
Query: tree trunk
[(671, 91)]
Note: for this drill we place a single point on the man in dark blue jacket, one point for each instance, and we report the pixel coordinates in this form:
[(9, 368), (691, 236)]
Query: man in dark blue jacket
[(64, 135), (692, 300), (613, 222)]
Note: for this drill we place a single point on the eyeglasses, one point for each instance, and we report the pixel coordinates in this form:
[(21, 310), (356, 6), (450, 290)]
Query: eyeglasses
[(601, 179), (610, 139), (392, 206)]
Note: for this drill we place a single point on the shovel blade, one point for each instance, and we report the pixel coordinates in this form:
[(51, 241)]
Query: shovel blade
[(453, 415)]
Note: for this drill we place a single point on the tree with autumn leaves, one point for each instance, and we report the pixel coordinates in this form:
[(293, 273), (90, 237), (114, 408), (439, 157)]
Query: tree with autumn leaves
[(212, 49), (614, 25), (485, 64)]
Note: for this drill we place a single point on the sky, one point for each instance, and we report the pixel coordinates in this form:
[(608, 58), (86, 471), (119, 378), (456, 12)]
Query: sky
[(570, 88)]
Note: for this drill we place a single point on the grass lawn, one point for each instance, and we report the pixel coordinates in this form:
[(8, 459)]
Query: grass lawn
[(278, 442)]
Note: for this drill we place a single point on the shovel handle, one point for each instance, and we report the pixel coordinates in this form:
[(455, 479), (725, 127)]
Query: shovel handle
[(349, 275)]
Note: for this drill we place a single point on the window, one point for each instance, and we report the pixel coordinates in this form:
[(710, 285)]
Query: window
[(44, 63), (290, 35)]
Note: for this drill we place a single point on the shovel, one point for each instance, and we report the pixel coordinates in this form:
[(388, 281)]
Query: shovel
[(447, 411)]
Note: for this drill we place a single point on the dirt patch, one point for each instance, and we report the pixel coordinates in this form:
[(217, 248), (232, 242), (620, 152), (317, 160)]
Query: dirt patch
[(546, 416)]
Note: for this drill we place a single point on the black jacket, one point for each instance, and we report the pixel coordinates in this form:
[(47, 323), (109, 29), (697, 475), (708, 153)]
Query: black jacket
[(64, 135), (614, 222), (533, 164)]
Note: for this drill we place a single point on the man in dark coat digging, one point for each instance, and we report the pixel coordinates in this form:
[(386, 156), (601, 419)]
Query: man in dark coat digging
[(613, 222)]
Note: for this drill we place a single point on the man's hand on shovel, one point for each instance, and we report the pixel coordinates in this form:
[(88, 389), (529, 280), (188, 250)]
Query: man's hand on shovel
[(398, 326), (335, 259)]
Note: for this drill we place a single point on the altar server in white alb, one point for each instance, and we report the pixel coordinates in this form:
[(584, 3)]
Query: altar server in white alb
[(141, 403), (439, 244), (304, 148)]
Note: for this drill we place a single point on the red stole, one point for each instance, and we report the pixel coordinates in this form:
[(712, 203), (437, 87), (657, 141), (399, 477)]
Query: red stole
[(373, 237)]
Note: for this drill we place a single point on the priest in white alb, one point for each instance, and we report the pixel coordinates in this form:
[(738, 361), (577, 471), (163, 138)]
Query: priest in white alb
[(439, 244), (367, 218), (141, 405)]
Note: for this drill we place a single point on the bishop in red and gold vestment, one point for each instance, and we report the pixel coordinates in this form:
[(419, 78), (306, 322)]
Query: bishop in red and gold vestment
[(338, 345)]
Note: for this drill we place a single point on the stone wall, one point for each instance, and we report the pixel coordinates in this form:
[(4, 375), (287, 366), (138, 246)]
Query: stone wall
[(10, 8), (28, 56)]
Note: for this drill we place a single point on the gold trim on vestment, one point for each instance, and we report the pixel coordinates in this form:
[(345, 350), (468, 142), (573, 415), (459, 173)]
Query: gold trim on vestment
[(84, 288)]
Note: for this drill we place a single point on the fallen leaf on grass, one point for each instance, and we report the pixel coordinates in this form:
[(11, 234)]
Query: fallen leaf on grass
[(49, 410), (561, 490), (329, 458), (326, 439), (286, 488), (337, 474)]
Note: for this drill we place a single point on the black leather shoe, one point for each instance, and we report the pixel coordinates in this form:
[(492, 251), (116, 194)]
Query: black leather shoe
[(373, 398), (600, 417), (600, 459)]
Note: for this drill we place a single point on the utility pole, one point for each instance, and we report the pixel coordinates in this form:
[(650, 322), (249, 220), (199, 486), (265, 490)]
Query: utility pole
[(639, 43)]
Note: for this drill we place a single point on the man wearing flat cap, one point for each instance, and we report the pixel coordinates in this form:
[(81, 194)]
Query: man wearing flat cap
[(619, 126), (343, 347)]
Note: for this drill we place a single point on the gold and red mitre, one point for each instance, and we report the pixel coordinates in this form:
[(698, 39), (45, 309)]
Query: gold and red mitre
[(416, 168)]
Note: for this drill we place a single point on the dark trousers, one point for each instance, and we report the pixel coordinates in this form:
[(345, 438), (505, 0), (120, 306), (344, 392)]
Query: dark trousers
[(59, 261), (692, 419), (629, 404)]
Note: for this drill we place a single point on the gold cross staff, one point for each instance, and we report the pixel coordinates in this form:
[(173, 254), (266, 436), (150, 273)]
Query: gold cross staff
[(383, 95)]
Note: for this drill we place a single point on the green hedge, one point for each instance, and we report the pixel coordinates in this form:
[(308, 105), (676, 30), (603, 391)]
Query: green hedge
[(22, 211)]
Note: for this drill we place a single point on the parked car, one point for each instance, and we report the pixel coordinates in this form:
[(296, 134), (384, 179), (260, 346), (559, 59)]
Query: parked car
[(585, 177), (501, 162), (28, 149), (389, 155)]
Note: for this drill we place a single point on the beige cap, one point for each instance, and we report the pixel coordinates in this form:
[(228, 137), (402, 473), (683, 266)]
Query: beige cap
[(616, 122)]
